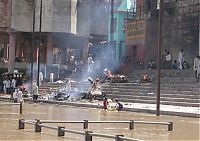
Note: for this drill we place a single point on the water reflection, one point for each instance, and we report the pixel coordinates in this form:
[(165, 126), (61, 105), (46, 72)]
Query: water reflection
[(184, 128)]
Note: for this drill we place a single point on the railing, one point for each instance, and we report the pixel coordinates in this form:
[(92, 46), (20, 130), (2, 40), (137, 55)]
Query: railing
[(88, 134), (20, 105), (131, 123)]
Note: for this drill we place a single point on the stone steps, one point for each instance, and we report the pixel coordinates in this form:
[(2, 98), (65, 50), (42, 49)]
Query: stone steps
[(143, 91), (178, 88), (153, 97), (197, 96), (172, 76), (150, 87), (161, 102)]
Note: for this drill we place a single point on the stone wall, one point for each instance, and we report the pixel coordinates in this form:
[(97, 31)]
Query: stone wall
[(57, 15), (83, 17), (22, 15), (61, 21), (5, 8), (100, 17), (180, 30), (151, 39)]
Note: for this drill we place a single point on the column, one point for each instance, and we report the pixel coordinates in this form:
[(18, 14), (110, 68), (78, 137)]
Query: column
[(63, 55), (49, 50), (85, 48), (199, 37), (11, 54), (5, 51)]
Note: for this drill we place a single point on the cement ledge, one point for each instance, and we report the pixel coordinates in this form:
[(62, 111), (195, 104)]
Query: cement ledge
[(95, 105)]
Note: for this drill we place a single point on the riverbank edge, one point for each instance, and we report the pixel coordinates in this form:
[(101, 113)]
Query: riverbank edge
[(99, 106)]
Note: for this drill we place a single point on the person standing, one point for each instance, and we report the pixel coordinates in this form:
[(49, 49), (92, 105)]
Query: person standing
[(180, 59), (198, 70), (51, 77), (35, 92), (175, 65), (6, 84), (90, 63), (13, 84), (68, 85), (168, 60), (41, 78), (195, 67), (164, 54)]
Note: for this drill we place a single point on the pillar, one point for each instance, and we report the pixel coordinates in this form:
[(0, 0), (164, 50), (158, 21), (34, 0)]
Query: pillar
[(85, 48), (5, 51), (49, 50), (11, 55), (63, 55), (199, 37)]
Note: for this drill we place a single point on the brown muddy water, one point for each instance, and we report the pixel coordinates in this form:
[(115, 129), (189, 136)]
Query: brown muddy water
[(185, 129)]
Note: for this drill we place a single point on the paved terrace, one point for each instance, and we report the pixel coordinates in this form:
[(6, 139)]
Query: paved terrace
[(130, 107)]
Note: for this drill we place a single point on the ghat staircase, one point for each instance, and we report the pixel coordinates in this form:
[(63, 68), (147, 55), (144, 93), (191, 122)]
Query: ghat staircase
[(178, 87)]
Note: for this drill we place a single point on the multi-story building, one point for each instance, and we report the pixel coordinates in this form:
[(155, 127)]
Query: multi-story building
[(180, 29), (121, 12), (65, 31)]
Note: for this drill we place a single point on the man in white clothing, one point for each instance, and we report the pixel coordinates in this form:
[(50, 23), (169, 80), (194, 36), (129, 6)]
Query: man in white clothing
[(180, 59), (198, 71), (90, 63), (40, 78), (35, 92), (13, 85), (18, 96), (195, 67), (51, 77), (6, 84)]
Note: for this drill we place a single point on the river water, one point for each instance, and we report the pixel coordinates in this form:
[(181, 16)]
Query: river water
[(184, 128)]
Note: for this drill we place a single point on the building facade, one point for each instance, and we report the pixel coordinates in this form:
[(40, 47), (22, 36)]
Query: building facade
[(65, 31), (180, 29)]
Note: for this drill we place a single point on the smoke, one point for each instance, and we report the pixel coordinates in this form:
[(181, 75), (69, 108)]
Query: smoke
[(103, 57), (35, 71)]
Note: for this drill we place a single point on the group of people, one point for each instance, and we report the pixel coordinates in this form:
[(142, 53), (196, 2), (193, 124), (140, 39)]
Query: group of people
[(167, 62), (9, 85), (118, 106), (178, 63), (96, 91), (18, 95)]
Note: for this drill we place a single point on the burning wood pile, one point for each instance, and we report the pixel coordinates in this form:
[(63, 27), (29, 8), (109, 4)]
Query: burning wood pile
[(115, 78)]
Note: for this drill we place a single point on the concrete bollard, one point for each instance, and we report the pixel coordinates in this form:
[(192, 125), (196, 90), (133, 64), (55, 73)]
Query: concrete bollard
[(21, 124), (85, 125), (170, 126), (20, 108), (60, 131), (37, 126), (117, 137), (88, 137), (131, 125)]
